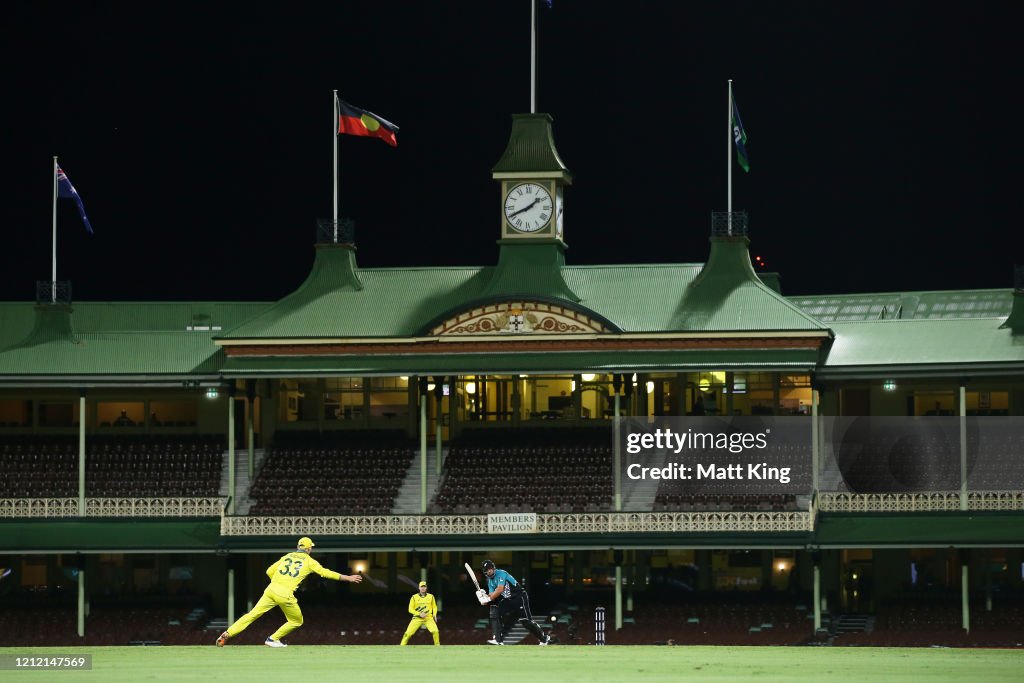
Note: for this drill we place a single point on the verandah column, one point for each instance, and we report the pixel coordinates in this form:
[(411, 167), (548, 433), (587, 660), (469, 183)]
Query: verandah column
[(439, 420), (963, 447), (250, 413), (423, 445), (618, 589), (616, 448), (81, 453), (231, 593), (231, 450), (965, 605), (80, 560), (817, 591), (815, 446)]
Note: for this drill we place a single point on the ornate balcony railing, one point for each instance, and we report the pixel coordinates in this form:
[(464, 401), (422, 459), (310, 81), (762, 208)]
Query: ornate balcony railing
[(580, 523), (589, 522), (931, 501), (54, 508)]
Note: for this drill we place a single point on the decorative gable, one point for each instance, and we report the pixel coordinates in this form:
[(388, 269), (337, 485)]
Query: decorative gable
[(519, 318)]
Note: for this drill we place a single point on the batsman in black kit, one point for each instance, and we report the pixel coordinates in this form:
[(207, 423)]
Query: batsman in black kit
[(509, 604)]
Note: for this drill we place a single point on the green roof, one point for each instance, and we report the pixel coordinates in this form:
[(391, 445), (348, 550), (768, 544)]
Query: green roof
[(531, 147), (404, 302), (139, 353), (728, 295), (534, 267), (923, 345), (918, 332), (393, 302), (115, 338), (972, 303)]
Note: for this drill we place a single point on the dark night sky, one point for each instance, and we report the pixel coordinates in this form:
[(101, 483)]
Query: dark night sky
[(883, 137)]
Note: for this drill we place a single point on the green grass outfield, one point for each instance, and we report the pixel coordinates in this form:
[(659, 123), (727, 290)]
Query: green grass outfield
[(528, 663)]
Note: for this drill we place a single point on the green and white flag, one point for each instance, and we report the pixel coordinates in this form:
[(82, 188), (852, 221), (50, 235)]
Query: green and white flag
[(739, 136)]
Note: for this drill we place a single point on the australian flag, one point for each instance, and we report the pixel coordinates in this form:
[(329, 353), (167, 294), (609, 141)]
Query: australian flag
[(65, 190)]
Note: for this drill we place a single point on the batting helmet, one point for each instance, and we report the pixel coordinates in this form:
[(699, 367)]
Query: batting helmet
[(487, 565)]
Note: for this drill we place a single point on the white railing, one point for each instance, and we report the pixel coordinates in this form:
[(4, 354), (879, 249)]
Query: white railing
[(591, 522), (931, 501), (597, 522), (995, 500), (111, 507)]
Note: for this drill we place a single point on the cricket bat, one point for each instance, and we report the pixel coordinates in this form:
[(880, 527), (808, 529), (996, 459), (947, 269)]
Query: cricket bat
[(472, 575)]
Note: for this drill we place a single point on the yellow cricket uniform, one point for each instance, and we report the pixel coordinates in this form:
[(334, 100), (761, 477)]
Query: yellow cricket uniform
[(285, 576), (424, 611)]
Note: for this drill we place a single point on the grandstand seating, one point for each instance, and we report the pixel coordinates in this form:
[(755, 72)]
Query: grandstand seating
[(741, 620), (888, 457), (710, 620), (38, 467), (527, 470), (938, 622), (152, 467), (54, 627), (994, 461), (713, 495), (351, 472), (138, 466)]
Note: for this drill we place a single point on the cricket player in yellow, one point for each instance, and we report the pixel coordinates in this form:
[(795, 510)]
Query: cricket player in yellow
[(285, 576), (424, 612)]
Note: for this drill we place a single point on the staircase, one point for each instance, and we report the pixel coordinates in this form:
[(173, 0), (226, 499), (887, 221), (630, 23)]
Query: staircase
[(518, 634), (854, 623), (407, 502), (638, 494), (242, 483), (220, 624)]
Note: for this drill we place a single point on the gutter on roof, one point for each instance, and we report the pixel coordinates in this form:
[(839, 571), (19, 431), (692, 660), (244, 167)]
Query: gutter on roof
[(497, 339), (923, 370), (90, 381)]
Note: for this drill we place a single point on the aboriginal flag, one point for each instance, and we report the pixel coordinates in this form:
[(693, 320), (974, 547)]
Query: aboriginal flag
[(356, 121)]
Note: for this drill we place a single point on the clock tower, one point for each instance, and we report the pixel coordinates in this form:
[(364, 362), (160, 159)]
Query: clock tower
[(532, 179)]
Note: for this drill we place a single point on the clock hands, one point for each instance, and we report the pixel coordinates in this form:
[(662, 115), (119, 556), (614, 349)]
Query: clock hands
[(525, 208)]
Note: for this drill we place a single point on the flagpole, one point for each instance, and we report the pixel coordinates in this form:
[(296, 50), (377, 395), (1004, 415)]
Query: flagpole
[(53, 287), (334, 146), (533, 56), (728, 201)]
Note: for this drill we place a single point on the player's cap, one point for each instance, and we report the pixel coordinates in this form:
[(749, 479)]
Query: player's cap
[(422, 584), (305, 542), (487, 565)]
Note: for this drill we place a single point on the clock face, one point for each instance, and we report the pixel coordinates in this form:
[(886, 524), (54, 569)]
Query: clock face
[(528, 207)]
